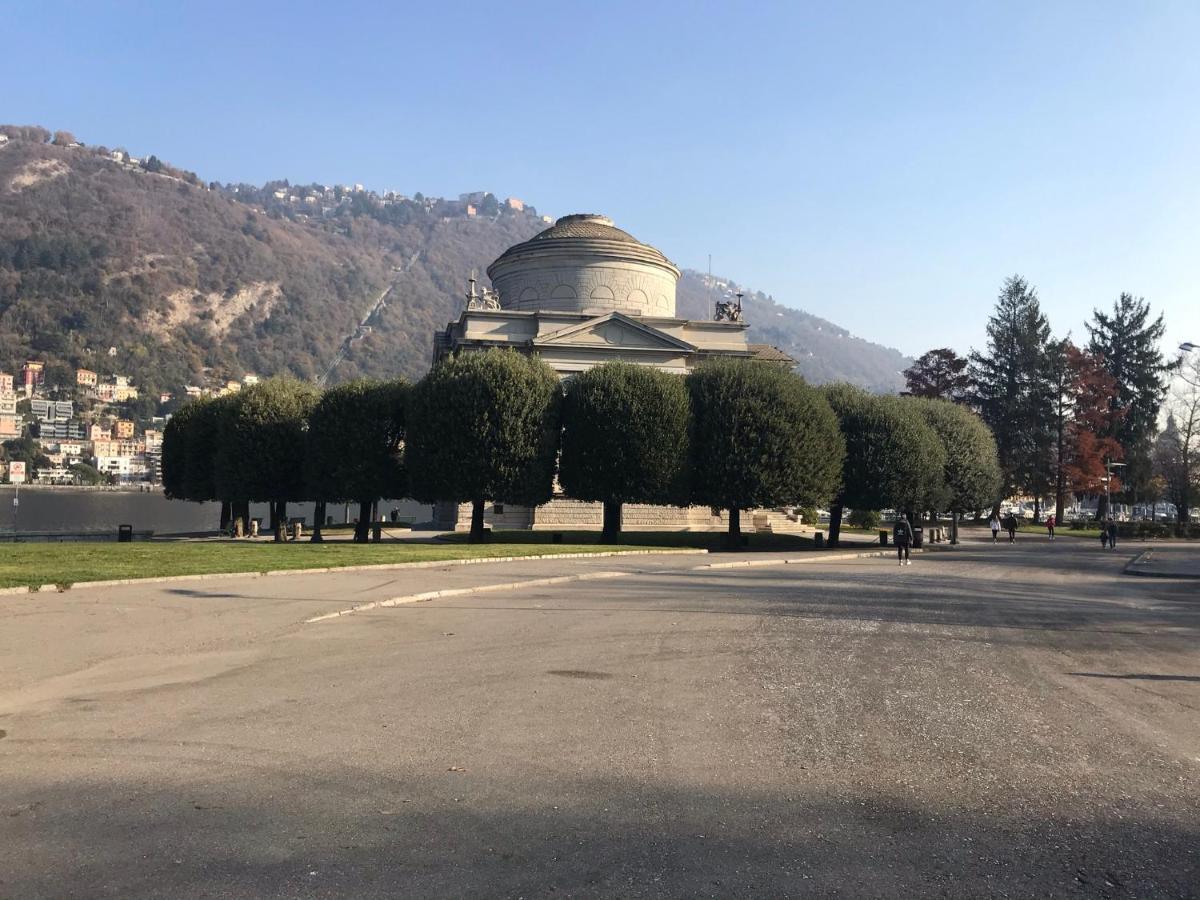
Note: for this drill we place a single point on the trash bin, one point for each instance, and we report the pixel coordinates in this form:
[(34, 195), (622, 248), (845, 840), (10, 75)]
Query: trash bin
[(819, 540), (918, 536), (124, 534), (255, 524), (883, 537), (297, 529)]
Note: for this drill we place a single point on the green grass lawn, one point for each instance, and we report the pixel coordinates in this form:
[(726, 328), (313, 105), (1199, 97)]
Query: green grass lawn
[(36, 564)]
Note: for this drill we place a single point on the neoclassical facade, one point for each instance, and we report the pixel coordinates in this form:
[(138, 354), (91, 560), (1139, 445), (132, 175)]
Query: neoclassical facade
[(584, 292), (581, 293)]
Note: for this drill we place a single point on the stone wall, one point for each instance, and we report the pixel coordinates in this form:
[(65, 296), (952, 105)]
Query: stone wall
[(562, 514)]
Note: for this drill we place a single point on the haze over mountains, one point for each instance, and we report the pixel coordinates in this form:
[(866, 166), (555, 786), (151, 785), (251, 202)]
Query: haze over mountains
[(181, 279)]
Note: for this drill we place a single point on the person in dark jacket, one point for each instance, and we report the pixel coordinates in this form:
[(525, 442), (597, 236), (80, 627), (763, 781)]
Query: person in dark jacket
[(1010, 525), (1112, 534), (902, 536)]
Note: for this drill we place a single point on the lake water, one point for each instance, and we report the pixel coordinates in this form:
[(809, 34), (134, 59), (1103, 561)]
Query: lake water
[(76, 509)]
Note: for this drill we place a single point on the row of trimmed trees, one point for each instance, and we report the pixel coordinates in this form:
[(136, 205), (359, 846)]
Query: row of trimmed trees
[(501, 427)]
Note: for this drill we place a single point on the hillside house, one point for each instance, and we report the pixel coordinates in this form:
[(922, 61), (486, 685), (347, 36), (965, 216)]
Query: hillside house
[(86, 378)]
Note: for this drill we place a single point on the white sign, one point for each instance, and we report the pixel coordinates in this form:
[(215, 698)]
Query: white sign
[(16, 472)]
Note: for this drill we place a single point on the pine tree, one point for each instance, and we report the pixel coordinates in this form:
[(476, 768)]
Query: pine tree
[(1128, 342), (1011, 388)]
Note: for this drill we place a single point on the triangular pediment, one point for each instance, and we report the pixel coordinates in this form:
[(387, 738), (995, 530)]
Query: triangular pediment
[(613, 330)]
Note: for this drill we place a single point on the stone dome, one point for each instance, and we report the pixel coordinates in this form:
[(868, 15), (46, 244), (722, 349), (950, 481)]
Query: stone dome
[(585, 264)]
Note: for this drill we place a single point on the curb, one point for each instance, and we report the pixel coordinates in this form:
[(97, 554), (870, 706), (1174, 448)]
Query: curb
[(459, 592), (424, 564), (1144, 557)]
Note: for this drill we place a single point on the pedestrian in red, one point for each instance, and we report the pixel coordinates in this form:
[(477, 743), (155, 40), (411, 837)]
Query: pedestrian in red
[(1050, 523)]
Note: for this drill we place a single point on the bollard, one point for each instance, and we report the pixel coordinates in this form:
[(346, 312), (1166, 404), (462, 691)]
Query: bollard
[(297, 530)]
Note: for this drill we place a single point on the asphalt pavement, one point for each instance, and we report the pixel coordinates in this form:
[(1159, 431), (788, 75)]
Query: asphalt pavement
[(1012, 721)]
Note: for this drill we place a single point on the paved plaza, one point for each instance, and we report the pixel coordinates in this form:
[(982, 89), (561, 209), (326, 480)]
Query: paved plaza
[(1009, 721)]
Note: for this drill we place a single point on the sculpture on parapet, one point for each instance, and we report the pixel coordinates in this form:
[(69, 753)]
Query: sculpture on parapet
[(489, 299), (729, 310)]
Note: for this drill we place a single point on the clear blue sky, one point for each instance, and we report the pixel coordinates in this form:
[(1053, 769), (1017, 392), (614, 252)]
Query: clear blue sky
[(881, 166)]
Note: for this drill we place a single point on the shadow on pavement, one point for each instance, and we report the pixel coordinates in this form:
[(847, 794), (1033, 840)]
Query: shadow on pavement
[(1138, 676), (456, 834)]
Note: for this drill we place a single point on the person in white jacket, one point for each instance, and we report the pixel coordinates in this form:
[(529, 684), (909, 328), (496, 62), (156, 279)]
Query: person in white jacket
[(995, 525)]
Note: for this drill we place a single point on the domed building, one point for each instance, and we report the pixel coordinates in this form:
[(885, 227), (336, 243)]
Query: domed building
[(581, 293), (584, 292)]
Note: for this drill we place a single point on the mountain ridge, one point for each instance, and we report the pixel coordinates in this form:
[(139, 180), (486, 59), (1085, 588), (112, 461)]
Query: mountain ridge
[(111, 262)]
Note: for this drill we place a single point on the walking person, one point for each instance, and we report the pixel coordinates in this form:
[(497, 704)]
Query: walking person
[(1050, 525), (995, 523), (1112, 534), (1011, 524), (1103, 535), (902, 537)]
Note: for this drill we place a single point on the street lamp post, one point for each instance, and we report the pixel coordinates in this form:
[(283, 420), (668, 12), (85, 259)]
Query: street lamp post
[(1108, 466)]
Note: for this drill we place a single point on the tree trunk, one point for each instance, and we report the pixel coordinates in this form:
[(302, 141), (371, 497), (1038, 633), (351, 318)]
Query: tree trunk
[(318, 521), (835, 524), (226, 515), (279, 511), (611, 533), (362, 531), (954, 527), (478, 535), (272, 517), (733, 537), (241, 513), (1037, 510)]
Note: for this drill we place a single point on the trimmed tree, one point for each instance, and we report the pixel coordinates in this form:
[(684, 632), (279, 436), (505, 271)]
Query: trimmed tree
[(971, 474), (484, 426), (261, 456), (761, 437), (625, 439), (893, 459), (189, 450), (355, 440)]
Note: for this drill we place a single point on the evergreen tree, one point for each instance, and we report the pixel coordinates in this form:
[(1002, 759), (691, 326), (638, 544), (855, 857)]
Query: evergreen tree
[(761, 437), (1010, 388), (1128, 343), (625, 439), (484, 426)]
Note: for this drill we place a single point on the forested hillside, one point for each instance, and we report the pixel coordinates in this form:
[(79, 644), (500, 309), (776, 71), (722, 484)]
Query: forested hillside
[(186, 280)]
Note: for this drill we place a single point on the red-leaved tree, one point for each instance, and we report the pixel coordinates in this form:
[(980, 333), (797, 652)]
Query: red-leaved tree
[(1084, 418)]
